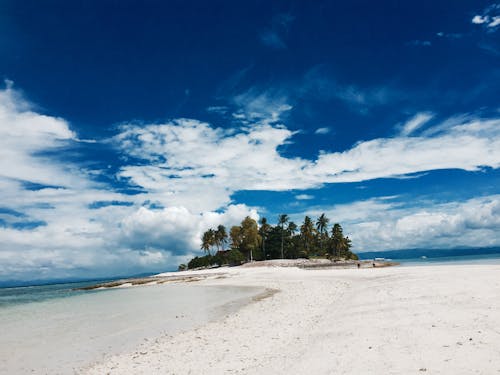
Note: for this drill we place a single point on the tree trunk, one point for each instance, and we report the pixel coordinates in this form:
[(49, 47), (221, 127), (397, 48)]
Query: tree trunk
[(282, 257)]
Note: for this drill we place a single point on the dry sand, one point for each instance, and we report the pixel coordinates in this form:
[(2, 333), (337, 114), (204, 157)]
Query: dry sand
[(396, 320)]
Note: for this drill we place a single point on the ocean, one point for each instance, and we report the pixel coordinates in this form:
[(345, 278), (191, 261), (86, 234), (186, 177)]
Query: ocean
[(27, 294), (457, 259), (415, 257), (53, 329)]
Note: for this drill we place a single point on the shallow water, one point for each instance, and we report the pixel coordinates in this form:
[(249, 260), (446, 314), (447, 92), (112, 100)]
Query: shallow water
[(38, 293), (61, 334), (461, 259)]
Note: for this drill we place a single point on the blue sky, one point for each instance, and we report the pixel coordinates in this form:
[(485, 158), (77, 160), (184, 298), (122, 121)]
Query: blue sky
[(128, 128)]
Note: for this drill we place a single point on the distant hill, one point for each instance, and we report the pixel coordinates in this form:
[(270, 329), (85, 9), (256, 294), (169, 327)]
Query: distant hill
[(429, 253)]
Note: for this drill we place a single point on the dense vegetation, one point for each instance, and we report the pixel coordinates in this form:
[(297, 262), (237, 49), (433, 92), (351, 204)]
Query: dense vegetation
[(251, 241)]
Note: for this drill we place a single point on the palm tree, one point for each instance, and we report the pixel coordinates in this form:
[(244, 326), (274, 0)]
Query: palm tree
[(211, 238), (221, 236), (322, 226), (282, 220), (307, 232), (292, 228), (337, 240), (207, 241), (263, 231)]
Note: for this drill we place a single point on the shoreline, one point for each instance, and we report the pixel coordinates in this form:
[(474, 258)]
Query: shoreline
[(346, 321), (222, 272), (63, 335)]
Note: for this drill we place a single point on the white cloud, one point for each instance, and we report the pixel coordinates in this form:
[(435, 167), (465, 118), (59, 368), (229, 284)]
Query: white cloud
[(263, 107), (489, 17), (155, 228), (197, 166), (67, 234), (24, 134), (495, 21), (191, 170), (389, 224), (479, 19), (469, 146), (322, 131), (201, 166), (415, 123), (302, 197)]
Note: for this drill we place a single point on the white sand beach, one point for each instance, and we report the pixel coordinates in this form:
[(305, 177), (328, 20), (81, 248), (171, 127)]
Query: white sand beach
[(395, 320)]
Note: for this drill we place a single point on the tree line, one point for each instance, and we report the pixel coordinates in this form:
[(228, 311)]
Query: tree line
[(261, 241)]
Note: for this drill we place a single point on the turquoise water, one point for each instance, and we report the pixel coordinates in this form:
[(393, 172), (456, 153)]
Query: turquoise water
[(461, 259), (39, 293), (54, 330)]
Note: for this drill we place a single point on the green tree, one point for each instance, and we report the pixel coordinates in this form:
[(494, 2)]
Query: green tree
[(220, 237), (250, 238), (307, 233), (338, 242), (264, 232), (236, 238), (234, 257), (282, 220), (208, 240), (322, 227), (347, 249), (292, 228)]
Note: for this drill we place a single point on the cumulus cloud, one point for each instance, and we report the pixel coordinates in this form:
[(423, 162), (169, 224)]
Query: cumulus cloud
[(201, 166), (57, 221), (25, 136), (389, 224), (155, 228), (189, 159)]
